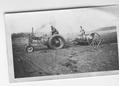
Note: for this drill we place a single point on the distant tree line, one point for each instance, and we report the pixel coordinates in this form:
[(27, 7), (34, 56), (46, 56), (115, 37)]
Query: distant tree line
[(17, 35)]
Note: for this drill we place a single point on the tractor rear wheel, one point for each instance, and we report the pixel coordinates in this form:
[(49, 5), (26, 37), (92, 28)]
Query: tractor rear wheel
[(56, 42)]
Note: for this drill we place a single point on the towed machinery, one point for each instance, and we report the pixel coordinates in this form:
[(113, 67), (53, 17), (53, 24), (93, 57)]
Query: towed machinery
[(92, 39)]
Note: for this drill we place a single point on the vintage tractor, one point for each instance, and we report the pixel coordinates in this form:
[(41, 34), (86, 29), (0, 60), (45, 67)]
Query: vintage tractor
[(54, 41)]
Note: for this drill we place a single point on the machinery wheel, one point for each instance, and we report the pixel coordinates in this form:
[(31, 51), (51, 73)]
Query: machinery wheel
[(56, 42), (96, 41), (29, 49)]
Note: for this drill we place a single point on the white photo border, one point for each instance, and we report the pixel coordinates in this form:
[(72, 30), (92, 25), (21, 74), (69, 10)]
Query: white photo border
[(39, 78)]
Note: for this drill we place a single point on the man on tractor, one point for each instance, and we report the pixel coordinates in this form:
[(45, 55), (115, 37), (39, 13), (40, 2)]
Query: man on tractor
[(54, 30)]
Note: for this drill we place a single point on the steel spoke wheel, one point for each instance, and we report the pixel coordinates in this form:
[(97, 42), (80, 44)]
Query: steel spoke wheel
[(96, 41)]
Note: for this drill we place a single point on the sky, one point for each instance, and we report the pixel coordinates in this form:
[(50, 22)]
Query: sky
[(66, 21)]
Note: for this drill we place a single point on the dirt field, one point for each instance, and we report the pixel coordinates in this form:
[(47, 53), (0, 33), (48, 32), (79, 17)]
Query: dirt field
[(75, 59)]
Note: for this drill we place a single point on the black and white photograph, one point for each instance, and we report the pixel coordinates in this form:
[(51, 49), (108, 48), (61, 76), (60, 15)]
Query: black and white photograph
[(68, 41)]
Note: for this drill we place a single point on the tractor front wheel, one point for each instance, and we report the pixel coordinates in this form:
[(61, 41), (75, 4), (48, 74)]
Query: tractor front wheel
[(29, 49)]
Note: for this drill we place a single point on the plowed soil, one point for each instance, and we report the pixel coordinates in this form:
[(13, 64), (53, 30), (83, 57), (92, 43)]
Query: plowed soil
[(75, 59)]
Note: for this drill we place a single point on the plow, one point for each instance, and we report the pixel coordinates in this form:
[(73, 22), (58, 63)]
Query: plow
[(93, 39)]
